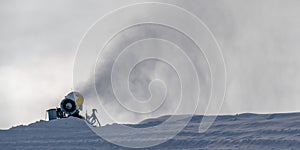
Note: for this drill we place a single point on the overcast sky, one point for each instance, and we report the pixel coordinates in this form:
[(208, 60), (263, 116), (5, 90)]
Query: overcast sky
[(39, 38)]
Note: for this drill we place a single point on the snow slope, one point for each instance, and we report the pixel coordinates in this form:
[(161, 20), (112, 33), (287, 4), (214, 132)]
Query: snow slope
[(245, 131)]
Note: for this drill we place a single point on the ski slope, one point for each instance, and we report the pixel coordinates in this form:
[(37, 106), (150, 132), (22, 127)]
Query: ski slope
[(244, 131)]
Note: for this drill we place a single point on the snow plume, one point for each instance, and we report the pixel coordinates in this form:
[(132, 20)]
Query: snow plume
[(153, 83), (154, 68), (258, 43)]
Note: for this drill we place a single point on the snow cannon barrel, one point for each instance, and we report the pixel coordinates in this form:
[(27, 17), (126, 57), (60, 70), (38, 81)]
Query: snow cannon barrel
[(72, 104)]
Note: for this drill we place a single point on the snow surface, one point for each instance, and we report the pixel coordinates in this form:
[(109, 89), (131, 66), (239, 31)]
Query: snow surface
[(244, 131)]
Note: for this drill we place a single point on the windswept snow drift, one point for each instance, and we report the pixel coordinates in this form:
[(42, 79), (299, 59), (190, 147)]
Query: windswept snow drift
[(245, 131)]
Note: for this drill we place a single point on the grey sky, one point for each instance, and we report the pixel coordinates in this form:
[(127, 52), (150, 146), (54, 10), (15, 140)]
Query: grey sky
[(38, 41)]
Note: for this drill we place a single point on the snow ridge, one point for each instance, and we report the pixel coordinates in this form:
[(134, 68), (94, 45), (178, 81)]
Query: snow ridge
[(244, 131)]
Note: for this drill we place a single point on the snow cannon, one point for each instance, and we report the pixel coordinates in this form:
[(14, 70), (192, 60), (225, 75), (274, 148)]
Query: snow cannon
[(72, 104)]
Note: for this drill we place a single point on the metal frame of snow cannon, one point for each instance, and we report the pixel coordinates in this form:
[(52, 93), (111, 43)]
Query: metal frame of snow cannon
[(58, 113), (92, 119), (55, 113)]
